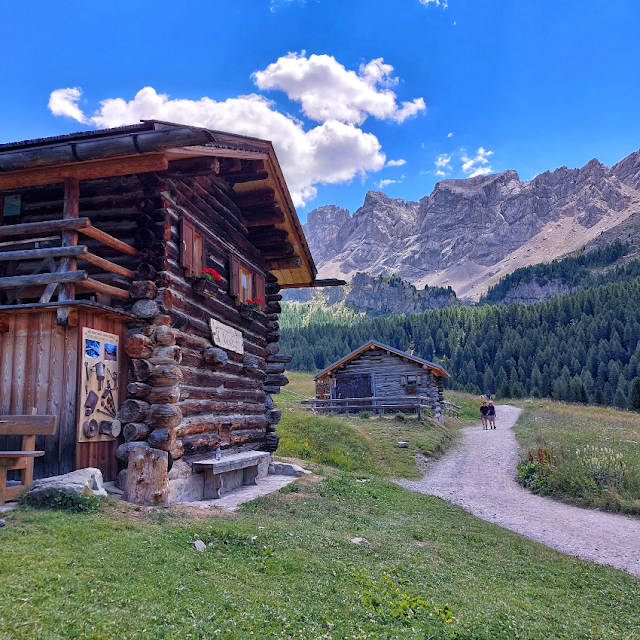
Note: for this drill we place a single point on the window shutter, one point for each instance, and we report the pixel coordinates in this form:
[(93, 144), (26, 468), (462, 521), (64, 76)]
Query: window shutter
[(186, 248), (259, 289), (234, 275)]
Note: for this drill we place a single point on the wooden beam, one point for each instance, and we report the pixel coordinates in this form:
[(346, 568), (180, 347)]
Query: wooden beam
[(237, 178), (285, 264), (110, 241), (107, 265), (251, 198), (100, 287), (263, 220), (14, 282), (35, 254), (278, 252), (49, 226), (89, 170), (67, 291)]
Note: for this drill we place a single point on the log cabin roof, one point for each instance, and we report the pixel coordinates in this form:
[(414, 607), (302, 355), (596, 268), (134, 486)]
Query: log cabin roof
[(437, 370), (248, 166)]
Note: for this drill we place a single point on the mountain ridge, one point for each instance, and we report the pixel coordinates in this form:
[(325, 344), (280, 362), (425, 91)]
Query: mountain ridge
[(469, 233)]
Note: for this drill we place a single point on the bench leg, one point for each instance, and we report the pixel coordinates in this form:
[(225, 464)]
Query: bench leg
[(249, 475), (3, 484), (212, 485)]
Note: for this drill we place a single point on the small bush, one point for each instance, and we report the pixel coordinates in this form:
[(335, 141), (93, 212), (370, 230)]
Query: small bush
[(364, 415), (533, 475), (400, 417), (61, 501)]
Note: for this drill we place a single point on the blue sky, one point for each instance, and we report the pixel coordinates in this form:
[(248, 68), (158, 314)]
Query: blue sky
[(341, 87)]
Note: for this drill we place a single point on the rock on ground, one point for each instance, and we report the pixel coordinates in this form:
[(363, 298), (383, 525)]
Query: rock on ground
[(83, 481)]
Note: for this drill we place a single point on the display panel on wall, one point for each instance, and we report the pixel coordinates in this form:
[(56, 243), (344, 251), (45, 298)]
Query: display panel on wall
[(100, 385)]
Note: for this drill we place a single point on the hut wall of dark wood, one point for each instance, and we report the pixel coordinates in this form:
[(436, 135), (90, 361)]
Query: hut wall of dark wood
[(383, 374), (39, 371)]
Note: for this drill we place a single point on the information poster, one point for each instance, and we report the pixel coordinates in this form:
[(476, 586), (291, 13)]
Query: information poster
[(100, 386)]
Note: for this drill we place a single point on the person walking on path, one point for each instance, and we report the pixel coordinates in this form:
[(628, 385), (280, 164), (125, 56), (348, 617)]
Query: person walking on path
[(491, 415), (484, 410)]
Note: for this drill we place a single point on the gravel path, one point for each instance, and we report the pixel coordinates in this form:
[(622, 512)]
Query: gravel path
[(478, 475)]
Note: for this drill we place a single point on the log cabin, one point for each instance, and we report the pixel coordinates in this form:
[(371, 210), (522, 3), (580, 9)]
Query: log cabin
[(140, 271), (376, 374)]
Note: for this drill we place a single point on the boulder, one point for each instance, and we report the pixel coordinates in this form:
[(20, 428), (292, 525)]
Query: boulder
[(286, 469), (83, 481)]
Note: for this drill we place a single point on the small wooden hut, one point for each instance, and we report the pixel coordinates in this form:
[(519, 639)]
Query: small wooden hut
[(106, 320), (377, 374)]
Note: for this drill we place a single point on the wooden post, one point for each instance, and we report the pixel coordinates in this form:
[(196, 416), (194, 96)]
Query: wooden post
[(147, 481), (71, 209)]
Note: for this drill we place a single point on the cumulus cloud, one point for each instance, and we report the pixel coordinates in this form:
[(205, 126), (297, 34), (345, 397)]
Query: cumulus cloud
[(443, 161), (438, 3), (334, 151), (385, 183), (396, 163), (478, 165), (330, 153), (440, 173), (450, 134), (326, 90), (64, 102)]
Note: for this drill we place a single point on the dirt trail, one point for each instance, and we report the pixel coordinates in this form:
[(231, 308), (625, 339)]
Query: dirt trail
[(478, 475)]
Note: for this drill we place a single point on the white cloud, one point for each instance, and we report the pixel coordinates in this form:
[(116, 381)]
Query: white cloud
[(478, 165), (335, 151), (443, 161), (450, 134), (396, 163), (64, 102), (326, 90), (330, 153), (443, 3), (440, 173), (385, 183)]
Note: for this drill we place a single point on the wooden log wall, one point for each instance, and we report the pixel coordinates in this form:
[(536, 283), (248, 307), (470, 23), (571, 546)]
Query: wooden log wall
[(186, 394)]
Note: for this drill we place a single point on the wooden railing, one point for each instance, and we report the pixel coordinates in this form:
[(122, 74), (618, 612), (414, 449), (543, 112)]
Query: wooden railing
[(65, 272), (450, 409), (374, 405)]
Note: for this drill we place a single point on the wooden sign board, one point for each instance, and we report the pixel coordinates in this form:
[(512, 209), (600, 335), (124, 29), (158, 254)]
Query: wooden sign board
[(226, 337), (100, 386)]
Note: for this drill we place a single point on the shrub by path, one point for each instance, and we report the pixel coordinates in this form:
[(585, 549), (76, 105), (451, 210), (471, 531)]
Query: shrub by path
[(479, 475)]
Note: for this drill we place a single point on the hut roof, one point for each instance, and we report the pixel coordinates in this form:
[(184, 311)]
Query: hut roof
[(437, 370), (40, 161)]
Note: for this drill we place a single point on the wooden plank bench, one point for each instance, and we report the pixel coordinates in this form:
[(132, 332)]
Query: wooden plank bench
[(214, 470), (28, 427)]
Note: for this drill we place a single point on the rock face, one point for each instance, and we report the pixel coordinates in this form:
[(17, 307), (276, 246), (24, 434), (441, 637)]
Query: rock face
[(532, 292), (83, 481), (468, 233), (377, 294)]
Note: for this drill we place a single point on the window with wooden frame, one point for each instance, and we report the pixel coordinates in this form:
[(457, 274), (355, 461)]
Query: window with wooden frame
[(192, 253), (245, 282)]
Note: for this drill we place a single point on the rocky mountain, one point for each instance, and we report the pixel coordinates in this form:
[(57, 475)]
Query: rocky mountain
[(469, 233), (378, 295)]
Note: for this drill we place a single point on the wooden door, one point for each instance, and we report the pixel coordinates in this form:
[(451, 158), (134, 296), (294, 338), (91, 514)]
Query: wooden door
[(354, 386)]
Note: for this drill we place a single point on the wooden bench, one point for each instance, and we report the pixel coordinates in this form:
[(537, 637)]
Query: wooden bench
[(28, 427), (214, 470)]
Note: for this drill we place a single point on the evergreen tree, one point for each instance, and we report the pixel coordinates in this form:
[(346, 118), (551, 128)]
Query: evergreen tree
[(634, 394), (619, 400)]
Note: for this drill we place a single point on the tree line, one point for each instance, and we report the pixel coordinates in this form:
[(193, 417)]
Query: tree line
[(580, 347)]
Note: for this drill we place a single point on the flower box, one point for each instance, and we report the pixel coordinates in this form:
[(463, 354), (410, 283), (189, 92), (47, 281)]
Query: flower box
[(206, 288)]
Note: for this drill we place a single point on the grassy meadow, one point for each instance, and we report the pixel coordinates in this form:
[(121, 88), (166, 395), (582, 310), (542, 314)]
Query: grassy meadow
[(581, 454), (286, 565)]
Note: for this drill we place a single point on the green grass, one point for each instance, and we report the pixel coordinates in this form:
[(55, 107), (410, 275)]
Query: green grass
[(592, 453), (284, 567)]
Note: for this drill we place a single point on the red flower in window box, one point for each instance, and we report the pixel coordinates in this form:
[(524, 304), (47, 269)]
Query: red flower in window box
[(255, 303), (210, 274)]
